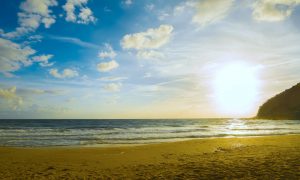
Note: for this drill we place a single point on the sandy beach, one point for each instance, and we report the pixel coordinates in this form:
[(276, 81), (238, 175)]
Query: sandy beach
[(270, 157)]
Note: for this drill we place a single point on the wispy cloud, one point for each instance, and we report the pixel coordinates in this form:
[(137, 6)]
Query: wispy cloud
[(31, 91), (43, 60), (112, 87), (127, 2), (211, 11), (75, 41), (111, 78)]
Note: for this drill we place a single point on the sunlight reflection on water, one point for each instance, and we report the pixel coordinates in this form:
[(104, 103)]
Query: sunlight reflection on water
[(142, 131)]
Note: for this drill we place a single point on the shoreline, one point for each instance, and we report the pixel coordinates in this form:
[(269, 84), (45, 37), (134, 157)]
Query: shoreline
[(143, 144), (247, 157)]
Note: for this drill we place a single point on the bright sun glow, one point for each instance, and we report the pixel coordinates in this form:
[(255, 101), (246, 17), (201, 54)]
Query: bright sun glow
[(236, 88)]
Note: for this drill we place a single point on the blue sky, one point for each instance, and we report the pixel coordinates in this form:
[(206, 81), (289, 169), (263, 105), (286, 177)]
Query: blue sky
[(145, 59)]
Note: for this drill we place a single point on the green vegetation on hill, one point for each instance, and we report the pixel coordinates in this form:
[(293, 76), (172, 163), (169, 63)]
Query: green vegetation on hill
[(285, 105)]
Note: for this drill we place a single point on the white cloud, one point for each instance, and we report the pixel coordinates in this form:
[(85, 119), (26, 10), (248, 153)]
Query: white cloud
[(107, 66), (33, 13), (35, 38), (11, 96), (38, 6), (145, 42), (211, 11), (112, 87), (127, 2), (108, 53), (48, 21), (66, 73), (150, 54), (43, 60), (84, 17), (30, 21), (273, 10), (32, 39), (150, 39), (13, 56), (8, 93)]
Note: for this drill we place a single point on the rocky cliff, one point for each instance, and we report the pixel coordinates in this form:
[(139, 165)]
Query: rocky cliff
[(285, 105)]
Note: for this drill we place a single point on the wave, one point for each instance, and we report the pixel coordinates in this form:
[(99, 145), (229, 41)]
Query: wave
[(93, 132)]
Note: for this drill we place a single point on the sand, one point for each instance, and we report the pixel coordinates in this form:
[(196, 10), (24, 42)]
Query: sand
[(270, 157)]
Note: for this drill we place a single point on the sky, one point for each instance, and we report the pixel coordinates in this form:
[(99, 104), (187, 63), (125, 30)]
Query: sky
[(145, 58)]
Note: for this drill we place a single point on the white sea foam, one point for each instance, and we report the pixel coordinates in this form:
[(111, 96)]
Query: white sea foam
[(109, 132)]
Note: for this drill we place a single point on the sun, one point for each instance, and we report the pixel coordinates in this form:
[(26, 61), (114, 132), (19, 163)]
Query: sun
[(235, 89)]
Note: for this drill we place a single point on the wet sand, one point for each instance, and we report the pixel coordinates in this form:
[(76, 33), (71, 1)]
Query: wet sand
[(270, 157)]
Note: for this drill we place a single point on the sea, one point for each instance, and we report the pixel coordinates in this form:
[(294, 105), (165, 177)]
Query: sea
[(118, 132)]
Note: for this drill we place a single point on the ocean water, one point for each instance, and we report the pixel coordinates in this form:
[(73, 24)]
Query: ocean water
[(39, 133)]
